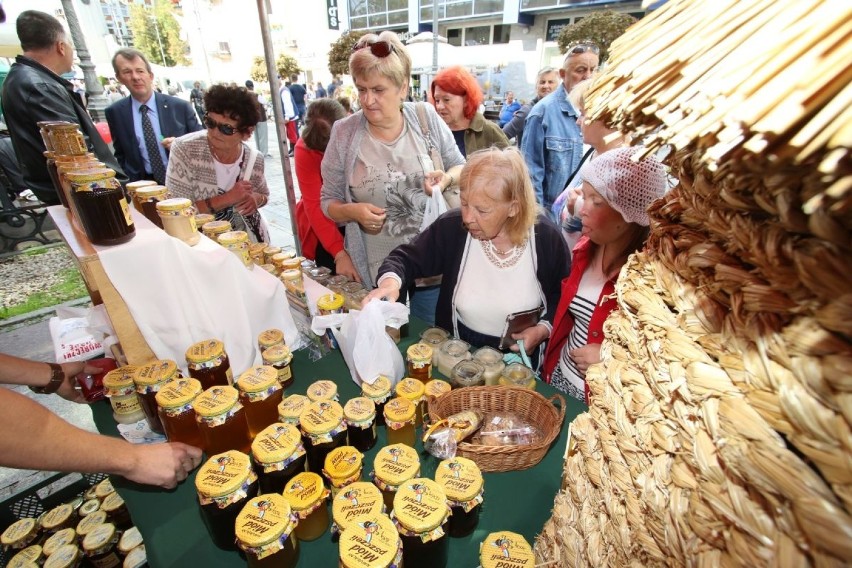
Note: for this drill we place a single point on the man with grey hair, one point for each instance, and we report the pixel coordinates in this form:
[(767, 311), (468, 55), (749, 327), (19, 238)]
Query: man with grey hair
[(34, 92)]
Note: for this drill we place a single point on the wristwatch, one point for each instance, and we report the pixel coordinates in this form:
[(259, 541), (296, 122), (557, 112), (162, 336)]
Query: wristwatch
[(57, 377)]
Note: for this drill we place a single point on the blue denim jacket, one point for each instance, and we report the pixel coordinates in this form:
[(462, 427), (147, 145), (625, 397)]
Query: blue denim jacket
[(552, 146)]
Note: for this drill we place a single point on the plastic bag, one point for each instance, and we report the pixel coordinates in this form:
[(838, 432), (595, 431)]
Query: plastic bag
[(79, 334), (506, 429), (442, 438), (435, 207)]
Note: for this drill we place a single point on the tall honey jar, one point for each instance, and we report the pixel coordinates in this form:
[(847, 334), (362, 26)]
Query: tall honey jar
[(44, 130), (62, 517), (505, 549), (393, 466), (293, 281), (222, 421), (373, 542), (260, 394), (291, 408), (400, 416), (67, 138), (279, 455), (323, 429), (360, 416), (421, 515), (237, 242), (379, 391), (65, 556), (19, 534), (99, 200), (57, 539), (212, 229), (149, 380), (279, 357), (462, 482), (265, 532), (359, 500), (342, 466), (117, 512), (414, 391), (145, 201), (174, 402), (99, 546), (419, 358), (208, 362), (270, 338), (224, 483), (120, 389), (323, 389), (307, 496), (177, 216)]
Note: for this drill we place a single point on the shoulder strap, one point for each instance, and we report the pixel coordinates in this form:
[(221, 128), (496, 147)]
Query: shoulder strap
[(252, 157), (421, 118)]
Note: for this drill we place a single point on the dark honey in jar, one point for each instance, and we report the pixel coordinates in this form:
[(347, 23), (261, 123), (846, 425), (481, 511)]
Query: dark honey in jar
[(421, 515), (100, 202), (419, 358), (225, 483), (323, 429), (279, 357), (208, 362), (379, 391), (291, 408), (222, 421), (360, 415), (461, 480), (265, 532), (117, 512), (260, 394), (278, 456), (149, 380), (174, 402)]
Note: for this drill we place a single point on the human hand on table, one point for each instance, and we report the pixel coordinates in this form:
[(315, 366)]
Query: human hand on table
[(343, 265), (586, 356), (164, 465), (387, 290), (532, 337)]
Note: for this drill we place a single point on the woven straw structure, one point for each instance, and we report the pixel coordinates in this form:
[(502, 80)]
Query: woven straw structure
[(719, 428)]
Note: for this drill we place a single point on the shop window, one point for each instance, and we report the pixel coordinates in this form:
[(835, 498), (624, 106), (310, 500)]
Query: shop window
[(357, 8), (379, 20), (400, 17), (454, 37), (359, 23), (488, 7), (501, 33), (398, 5), (457, 9), (479, 35)]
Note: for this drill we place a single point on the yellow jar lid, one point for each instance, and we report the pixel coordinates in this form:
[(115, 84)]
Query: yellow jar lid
[(204, 351), (57, 539), (419, 353), (156, 372), (400, 410), (29, 556), (103, 489), (134, 186), (359, 411), (322, 390), (130, 539), (174, 204), (215, 401), (99, 537), (412, 389), (278, 257), (291, 274), (233, 238), (263, 520), (505, 548), (257, 248), (271, 250), (305, 491), (378, 389), (136, 558), (202, 219), (57, 516), (270, 337), (275, 443), (329, 302), (89, 507), (321, 417), (89, 522), (396, 464), (276, 354), (223, 474), (420, 505), (291, 408), (355, 502), (121, 378), (460, 478), (291, 264), (112, 503), (370, 542), (216, 227), (437, 387), (257, 378), (179, 392), (86, 176), (342, 462), (63, 557), (149, 191)]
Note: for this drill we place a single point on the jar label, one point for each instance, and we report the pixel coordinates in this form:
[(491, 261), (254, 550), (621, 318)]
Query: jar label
[(110, 561), (112, 502), (290, 409), (101, 536), (223, 474), (420, 354), (305, 493), (125, 405), (126, 210), (59, 538), (17, 531), (204, 351), (437, 387), (420, 506), (395, 464), (57, 516), (343, 462), (118, 380), (155, 373), (359, 411), (90, 522), (321, 418), (505, 549), (322, 390), (65, 555), (258, 379), (263, 520), (372, 541), (412, 389), (460, 478), (270, 337), (130, 539), (399, 412), (104, 488), (356, 501), (379, 390), (216, 401), (178, 393), (275, 443)]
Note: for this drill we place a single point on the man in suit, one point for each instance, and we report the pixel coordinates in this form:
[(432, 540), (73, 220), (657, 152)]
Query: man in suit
[(144, 154)]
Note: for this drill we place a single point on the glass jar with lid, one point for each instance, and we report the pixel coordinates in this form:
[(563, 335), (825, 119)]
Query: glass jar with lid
[(99, 546), (323, 429), (278, 259), (379, 391), (117, 512), (328, 304), (351, 505), (256, 252), (19, 534), (178, 218), (336, 282), (270, 338), (268, 252), (260, 394), (434, 337), (374, 542), (468, 373), (308, 496), (104, 489), (212, 229), (62, 165), (291, 408), (278, 455), (342, 466), (505, 548), (222, 420), (62, 517), (419, 358), (292, 263), (435, 388), (400, 416), (145, 201), (360, 415), (461, 480), (352, 295), (208, 362), (88, 524), (89, 506), (421, 515), (202, 219), (30, 557), (452, 351), (149, 380), (136, 558), (120, 389), (57, 539), (177, 415), (224, 483), (492, 361), (133, 186), (279, 357), (323, 389), (65, 556), (414, 391), (66, 138), (517, 375), (320, 274), (237, 242), (130, 539), (393, 466), (265, 532), (99, 201)]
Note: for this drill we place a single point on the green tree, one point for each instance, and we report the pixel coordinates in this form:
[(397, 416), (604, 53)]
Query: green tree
[(156, 28), (600, 28), (286, 66), (338, 55), (258, 70)]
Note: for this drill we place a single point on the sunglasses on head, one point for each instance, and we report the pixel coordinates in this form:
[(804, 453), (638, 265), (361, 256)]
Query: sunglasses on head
[(225, 129), (584, 48), (378, 48)]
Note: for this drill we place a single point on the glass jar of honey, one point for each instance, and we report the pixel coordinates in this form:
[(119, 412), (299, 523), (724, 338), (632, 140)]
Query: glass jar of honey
[(278, 259), (133, 186), (320, 274), (57, 539), (88, 523), (145, 201), (342, 466), (374, 542), (505, 549), (136, 558), (130, 539), (62, 517), (65, 556), (414, 391), (177, 415), (323, 429), (461, 480), (224, 483), (30, 557), (66, 138), (270, 268), (517, 375), (419, 358), (492, 361), (237, 242), (291, 408), (379, 391), (260, 394), (99, 546), (307, 497), (452, 351), (117, 512), (292, 263), (393, 466), (149, 380), (329, 304), (88, 507), (352, 505), (436, 388), (468, 373), (208, 362), (279, 357), (202, 219), (178, 218), (222, 421), (278, 455), (269, 252), (400, 416), (120, 389), (294, 282), (434, 337), (212, 229), (421, 514), (104, 489), (360, 415), (99, 200), (269, 338), (264, 530), (19, 534), (256, 252), (323, 389)]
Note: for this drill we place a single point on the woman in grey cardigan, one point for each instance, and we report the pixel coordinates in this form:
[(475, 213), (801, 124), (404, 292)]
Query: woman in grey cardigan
[(378, 169)]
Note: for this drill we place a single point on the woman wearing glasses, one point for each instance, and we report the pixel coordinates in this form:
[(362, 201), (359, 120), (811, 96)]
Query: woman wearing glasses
[(380, 164), (216, 169)]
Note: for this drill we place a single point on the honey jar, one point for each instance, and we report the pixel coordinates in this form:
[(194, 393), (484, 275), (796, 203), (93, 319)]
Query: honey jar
[(224, 483), (136, 558), (208, 362), (373, 542), (278, 455), (352, 505), (505, 549), (323, 390), (117, 512), (436, 388), (329, 304), (269, 252), (120, 389), (419, 358), (174, 407), (291, 263), (307, 497), (145, 201), (360, 415), (66, 138), (379, 391), (222, 421), (65, 556), (452, 351), (434, 337), (99, 546), (88, 523), (462, 482), (323, 429), (130, 539), (517, 375), (237, 242), (103, 490), (99, 201), (468, 373), (57, 539), (256, 252), (202, 219), (342, 466), (19, 534), (400, 416), (149, 380), (279, 357), (62, 517), (133, 186), (177, 216), (269, 338), (492, 361), (414, 391), (265, 532), (260, 394), (291, 408), (394, 465), (212, 229), (293, 281), (88, 507), (421, 514), (29, 557), (320, 274)]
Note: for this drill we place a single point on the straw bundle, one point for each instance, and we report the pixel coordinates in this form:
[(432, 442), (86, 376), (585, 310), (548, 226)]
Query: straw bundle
[(719, 428)]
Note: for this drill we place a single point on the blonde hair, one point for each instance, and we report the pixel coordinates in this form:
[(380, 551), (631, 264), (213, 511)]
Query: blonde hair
[(506, 171), (396, 66)]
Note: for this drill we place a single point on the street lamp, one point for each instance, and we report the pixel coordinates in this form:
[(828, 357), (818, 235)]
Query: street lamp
[(159, 41)]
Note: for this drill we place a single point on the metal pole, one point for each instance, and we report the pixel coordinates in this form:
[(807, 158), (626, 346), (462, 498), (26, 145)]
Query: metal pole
[(201, 35), (435, 37), (278, 113), (159, 41)]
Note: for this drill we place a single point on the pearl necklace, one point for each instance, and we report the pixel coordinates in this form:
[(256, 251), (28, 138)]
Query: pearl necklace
[(493, 254)]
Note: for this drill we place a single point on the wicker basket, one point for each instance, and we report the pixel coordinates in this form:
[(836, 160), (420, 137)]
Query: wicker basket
[(530, 405)]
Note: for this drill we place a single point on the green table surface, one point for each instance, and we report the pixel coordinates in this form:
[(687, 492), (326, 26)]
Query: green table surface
[(175, 534)]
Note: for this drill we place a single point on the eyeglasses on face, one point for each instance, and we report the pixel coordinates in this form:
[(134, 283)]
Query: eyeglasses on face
[(584, 48), (225, 129), (378, 48)]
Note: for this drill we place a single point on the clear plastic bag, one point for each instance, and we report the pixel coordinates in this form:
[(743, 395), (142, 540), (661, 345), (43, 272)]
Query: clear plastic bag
[(506, 429), (442, 438)]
